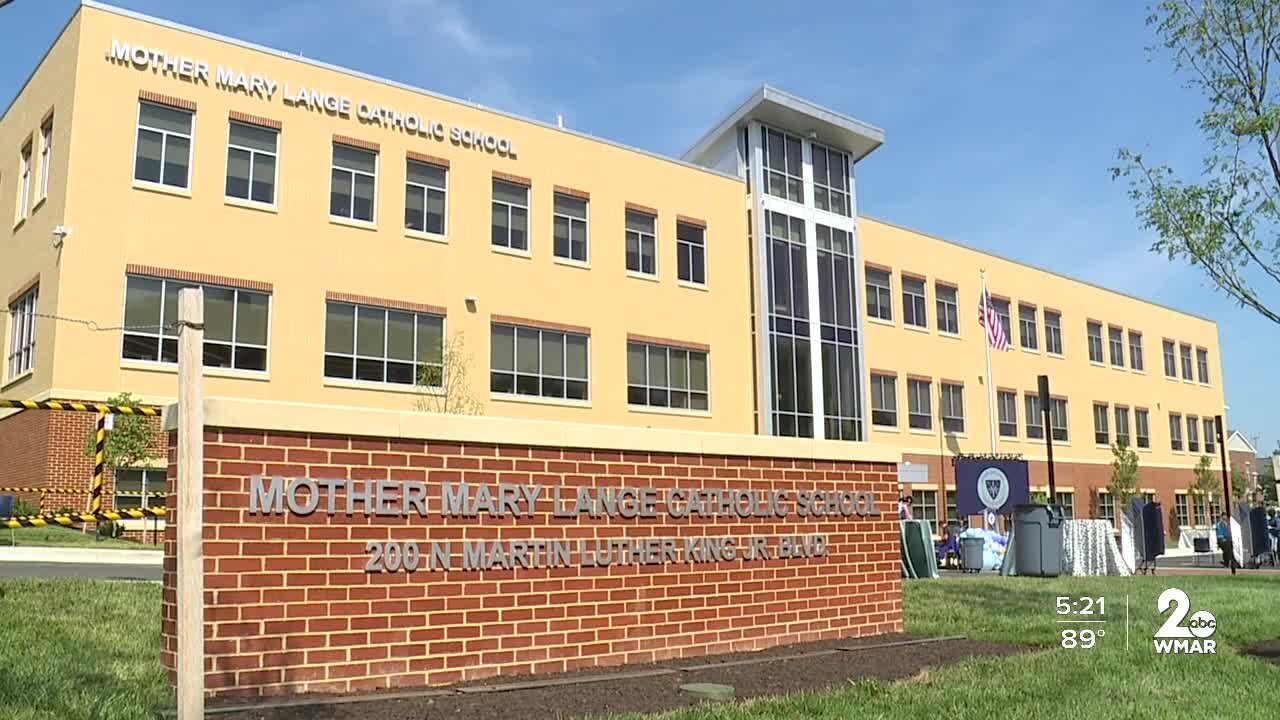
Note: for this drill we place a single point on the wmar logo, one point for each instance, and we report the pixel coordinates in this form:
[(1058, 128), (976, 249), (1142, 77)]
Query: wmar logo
[(1193, 638)]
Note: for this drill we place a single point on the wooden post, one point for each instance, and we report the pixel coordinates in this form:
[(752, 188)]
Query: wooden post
[(1042, 388), (1220, 430), (190, 501)]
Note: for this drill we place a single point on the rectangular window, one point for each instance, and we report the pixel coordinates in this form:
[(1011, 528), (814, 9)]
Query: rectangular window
[(913, 302), (879, 294), (783, 166), (570, 229), (22, 333), (884, 400), (1175, 431), (1141, 428), (383, 345), (1002, 310), (1115, 341), (1067, 501), (534, 361), (1035, 416), (24, 182), (354, 183), (426, 191), (948, 309), (789, 342), (134, 487), (642, 244), (1052, 332), (1202, 510), (661, 376), (1007, 404), (1095, 342), (511, 216), (236, 323), (1101, 433), (1170, 360), (1193, 434), (837, 303), (1210, 436), (691, 253), (1185, 351), (46, 156), (1181, 510), (1027, 326), (919, 404), (831, 181), (1058, 419), (1135, 350), (924, 507), (163, 154), (1122, 426), (1106, 507), (251, 162), (1202, 365), (952, 407)]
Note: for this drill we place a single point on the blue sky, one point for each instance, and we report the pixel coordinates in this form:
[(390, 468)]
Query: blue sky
[(1001, 118)]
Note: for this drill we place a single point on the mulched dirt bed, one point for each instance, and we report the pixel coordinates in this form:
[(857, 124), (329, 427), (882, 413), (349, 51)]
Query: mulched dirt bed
[(657, 692), (1268, 650)]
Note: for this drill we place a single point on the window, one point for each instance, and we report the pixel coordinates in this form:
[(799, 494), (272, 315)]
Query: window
[(1202, 510), (1052, 332), (570, 231), (383, 345), (1058, 419), (1193, 434), (1175, 431), (24, 182), (534, 361), (924, 506), (354, 183), (1002, 310), (948, 309), (1202, 365), (22, 333), (46, 156), (953, 515), (879, 294), (642, 248), (919, 404), (1122, 426), (1067, 501), (1106, 507), (1170, 361), (841, 376), (1007, 404), (511, 215), (1035, 416), (1135, 350), (1141, 430), (691, 253), (1185, 351), (913, 302), (1115, 341), (952, 407), (1095, 342), (1181, 511), (251, 162), (135, 487), (1210, 436), (1027, 326), (789, 343), (831, 181), (661, 376), (235, 323), (164, 145), (426, 189), (1101, 434), (783, 167), (884, 400)]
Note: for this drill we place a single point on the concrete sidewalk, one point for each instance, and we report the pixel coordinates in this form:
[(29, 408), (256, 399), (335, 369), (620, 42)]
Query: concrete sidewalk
[(81, 556)]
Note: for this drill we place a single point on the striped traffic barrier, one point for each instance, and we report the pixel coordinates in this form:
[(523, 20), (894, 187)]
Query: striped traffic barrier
[(99, 463), (77, 518), (82, 407), (70, 491)]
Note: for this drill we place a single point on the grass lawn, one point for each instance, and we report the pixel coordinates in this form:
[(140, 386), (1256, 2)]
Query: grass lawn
[(67, 537)]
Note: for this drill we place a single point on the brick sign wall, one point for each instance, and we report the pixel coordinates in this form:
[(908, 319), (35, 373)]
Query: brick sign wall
[(291, 605)]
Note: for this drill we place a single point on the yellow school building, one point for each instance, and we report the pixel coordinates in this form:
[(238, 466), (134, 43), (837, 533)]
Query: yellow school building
[(368, 244)]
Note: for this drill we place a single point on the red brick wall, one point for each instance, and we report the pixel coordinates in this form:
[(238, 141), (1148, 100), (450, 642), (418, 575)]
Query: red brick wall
[(289, 607)]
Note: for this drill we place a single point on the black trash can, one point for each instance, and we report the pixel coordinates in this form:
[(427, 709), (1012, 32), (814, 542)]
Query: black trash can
[(1037, 539), (971, 553)]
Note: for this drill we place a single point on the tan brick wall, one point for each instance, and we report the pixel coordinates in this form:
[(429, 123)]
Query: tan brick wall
[(289, 607)]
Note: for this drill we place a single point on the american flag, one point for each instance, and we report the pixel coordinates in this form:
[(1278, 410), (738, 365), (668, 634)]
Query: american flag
[(990, 319)]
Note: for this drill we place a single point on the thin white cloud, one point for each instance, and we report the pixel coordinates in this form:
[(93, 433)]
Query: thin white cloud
[(448, 21)]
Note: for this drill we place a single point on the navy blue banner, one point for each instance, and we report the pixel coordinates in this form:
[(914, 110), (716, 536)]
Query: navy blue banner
[(991, 485)]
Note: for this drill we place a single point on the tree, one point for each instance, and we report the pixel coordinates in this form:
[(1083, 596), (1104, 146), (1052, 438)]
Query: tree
[(132, 439), (1227, 221), (445, 388), (1123, 486), (1240, 485), (1207, 482)]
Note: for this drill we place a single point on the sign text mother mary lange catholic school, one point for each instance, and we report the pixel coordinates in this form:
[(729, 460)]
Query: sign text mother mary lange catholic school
[(197, 71), (306, 496)]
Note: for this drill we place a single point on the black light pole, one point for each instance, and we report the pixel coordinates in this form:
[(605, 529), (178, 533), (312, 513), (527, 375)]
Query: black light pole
[(1043, 381), (1226, 486)]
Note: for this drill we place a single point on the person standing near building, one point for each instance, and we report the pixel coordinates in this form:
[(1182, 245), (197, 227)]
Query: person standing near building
[(1223, 529)]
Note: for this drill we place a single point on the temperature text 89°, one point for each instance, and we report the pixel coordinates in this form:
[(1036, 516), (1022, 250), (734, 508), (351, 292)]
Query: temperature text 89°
[(1083, 639)]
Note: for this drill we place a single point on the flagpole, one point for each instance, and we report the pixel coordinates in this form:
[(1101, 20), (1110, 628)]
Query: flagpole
[(991, 388)]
